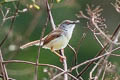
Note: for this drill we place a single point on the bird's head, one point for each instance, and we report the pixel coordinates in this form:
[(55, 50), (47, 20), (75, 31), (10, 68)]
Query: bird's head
[(68, 24)]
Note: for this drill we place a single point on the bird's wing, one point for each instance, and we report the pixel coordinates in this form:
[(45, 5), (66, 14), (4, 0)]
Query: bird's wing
[(53, 35)]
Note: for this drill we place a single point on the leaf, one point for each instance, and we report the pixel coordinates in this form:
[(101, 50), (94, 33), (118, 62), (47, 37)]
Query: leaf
[(5, 1), (9, 0), (36, 6)]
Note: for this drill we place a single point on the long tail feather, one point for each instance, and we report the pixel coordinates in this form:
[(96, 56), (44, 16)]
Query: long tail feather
[(36, 42)]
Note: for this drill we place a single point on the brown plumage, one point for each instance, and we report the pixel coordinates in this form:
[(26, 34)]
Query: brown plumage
[(53, 35)]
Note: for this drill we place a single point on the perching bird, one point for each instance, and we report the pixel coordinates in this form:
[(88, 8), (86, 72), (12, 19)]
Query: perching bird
[(57, 39)]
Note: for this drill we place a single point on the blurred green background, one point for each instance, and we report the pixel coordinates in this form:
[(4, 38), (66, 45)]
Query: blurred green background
[(28, 27)]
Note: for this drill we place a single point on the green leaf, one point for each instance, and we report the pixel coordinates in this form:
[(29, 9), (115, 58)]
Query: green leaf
[(36, 6), (5, 1), (9, 0)]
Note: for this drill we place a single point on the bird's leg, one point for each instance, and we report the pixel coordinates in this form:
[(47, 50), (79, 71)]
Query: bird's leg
[(60, 51), (62, 57)]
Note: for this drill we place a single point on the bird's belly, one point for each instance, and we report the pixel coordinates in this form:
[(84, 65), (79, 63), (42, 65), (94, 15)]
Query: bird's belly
[(58, 43)]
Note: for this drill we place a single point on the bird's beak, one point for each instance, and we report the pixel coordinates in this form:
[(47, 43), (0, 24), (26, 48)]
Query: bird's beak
[(75, 22)]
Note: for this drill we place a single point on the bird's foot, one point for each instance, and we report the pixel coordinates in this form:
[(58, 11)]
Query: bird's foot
[(62, 58)]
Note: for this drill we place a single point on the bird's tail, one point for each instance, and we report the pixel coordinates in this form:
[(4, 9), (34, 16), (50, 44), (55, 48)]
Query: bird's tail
[(36, 42)]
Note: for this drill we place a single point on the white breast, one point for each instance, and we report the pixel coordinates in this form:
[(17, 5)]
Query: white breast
[(58, 43)]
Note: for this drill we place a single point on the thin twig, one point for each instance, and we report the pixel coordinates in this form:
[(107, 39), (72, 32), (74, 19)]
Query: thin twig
[(4, 16), (100, 68), (64, 72), (11, 25), (98, 40), (32, 24), (91, 60), (80, 41), (101, 51), (75, 54), (94, 23), (65, 65), (93, 69), (103, 76), (37, 61), (85, 62), (54, 77), (50, 15), (54, 27), (3, 68), (117, 55), (40, 64), (8, 78), (76, 51), (111, 47)]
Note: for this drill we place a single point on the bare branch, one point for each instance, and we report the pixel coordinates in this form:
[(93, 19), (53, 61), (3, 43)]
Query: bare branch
[(64, 72), (117, 55), (103, 76), (65, 65), (96, 21), (117, 5), (75, 54), (93, 70), (95, 24), (38, 56), (54, 27), (85, 62), (40, 64), (11, 25), (50, 15), (94, 59), (3, 68)]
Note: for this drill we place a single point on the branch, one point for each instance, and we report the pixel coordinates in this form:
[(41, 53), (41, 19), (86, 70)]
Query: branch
[(3, 68), (65, 65), (64, 72), (110, 49), (77, 66), (53, 26), (40, 64), (8, 78), (93, 69), (50, 15), (95, 20), (91, 60), (11, 25), (75, 54), (116, 5), (37, 61)]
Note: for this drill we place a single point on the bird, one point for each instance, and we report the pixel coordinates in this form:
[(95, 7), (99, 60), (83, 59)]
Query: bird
[(57, 39)]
